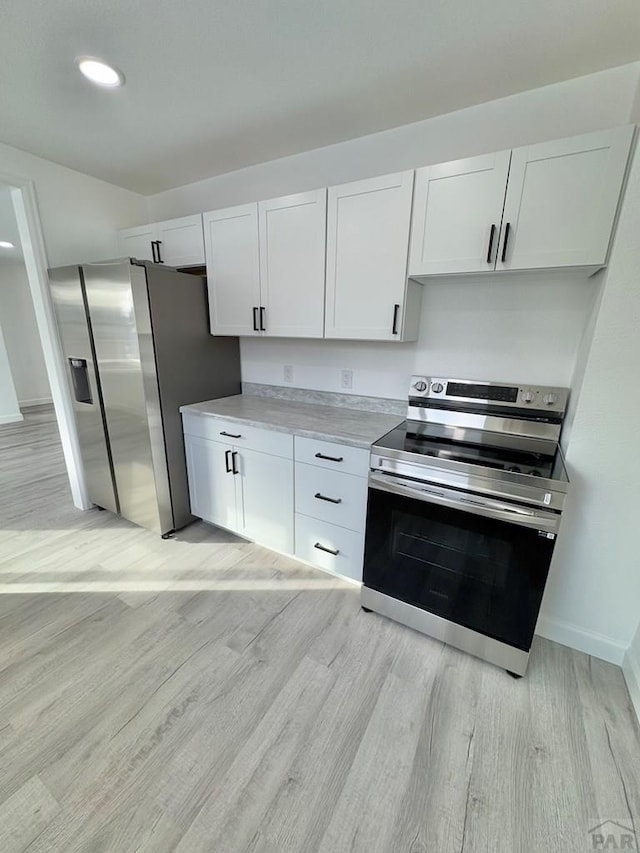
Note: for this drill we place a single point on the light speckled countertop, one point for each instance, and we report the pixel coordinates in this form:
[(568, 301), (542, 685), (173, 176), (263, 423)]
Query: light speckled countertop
[(347, 426)]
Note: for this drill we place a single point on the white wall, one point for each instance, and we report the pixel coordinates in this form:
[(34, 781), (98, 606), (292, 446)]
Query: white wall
[(512, 328), (80, 215), (21, 336), (594, 585)]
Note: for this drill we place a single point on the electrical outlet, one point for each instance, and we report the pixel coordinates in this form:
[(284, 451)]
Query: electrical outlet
[(347, 379), (288, 373)]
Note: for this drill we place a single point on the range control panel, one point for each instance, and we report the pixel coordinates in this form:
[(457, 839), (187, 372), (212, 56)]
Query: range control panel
[(542, 397)]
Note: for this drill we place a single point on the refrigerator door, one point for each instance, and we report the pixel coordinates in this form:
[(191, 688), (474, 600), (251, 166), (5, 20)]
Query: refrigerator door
[(192, 365), (118, 306), (75, 336)]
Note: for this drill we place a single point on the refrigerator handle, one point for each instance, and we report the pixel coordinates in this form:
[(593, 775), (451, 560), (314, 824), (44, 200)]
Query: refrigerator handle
[(80, 379)]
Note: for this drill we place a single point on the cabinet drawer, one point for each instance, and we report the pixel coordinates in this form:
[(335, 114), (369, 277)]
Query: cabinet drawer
[(312, 536), (331, 496), (239, 434), (333, 456)]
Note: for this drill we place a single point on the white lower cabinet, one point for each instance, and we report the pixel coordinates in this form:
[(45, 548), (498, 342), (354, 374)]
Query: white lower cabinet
[(332, 548), (331, 505), (212, 490), (242, 478), (331, 496), (234, 487), (266, 508)]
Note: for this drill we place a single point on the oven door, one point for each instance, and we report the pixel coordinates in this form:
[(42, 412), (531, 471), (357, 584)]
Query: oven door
[(478, 562)]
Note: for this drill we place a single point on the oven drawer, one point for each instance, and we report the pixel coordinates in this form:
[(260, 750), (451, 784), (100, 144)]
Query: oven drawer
[(332, 456), (329, 547), (239, 434), (331, 496)]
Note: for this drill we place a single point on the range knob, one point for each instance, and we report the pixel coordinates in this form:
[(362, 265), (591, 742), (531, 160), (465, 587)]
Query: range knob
[(437, 387), (527, 396), (550, 399), (420, 385)]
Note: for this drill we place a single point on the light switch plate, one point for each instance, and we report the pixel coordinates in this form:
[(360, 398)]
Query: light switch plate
[(347, 379), (288, 373)]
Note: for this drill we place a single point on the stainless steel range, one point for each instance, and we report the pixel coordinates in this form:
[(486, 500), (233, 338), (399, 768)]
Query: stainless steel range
[(465, 502)]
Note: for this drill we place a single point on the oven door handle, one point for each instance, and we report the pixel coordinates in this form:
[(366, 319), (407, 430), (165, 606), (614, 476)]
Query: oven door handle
[(539, 520)]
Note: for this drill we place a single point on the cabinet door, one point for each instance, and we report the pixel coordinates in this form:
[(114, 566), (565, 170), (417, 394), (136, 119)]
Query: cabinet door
[(266, 510), (136, 242), (562, 199), (457, 211), (212, 488), (233, 275), (181, 241), (292, 258), (367, 245)]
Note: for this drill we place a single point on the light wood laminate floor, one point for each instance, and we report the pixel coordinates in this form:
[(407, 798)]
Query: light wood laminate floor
[(204, 694)]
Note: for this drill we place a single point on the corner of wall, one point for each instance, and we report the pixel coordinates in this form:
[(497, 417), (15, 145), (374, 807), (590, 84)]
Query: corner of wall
[(631, 670), (634, 113)]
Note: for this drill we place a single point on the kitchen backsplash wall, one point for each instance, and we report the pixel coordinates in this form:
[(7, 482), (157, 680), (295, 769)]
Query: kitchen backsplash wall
[(517, 328)]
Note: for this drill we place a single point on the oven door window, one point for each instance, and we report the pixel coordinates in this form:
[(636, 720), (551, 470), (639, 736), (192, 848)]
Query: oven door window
[(484, 574)]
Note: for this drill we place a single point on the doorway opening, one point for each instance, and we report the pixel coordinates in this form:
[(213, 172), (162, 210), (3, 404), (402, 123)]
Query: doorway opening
[(24, 382), (33, 368)]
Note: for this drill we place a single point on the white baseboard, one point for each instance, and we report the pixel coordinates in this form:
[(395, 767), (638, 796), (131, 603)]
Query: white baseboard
[(36, 401), (589, 642), (631, 670), (11, 419)]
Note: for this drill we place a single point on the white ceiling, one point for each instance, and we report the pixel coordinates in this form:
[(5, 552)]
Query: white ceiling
[(214, 85)]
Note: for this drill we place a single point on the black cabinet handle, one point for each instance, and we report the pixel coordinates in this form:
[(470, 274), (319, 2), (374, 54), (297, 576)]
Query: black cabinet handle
[(328, 550), (263, 328), (158, 244), (330, 458), (153, 252), (227, 464), (255, 319), (230, 434), (234, 468), (329, 500), (394, 328), (492, 234), (507, 231)]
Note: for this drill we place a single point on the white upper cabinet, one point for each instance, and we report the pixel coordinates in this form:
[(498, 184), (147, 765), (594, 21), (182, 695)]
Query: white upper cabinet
[(175, 242), (457, 211), (562, 199), (138, 242), (180, 242), (292, 258), (233, 270), (367, 246)]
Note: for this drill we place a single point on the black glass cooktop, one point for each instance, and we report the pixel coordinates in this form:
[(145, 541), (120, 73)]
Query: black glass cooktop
[(420, 438)]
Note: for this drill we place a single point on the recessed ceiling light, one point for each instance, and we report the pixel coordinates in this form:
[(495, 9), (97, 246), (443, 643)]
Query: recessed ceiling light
[(100, 72), (5, 244)]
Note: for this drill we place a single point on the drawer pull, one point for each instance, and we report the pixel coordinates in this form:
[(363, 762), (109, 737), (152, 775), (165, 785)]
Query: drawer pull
[(230, 434), (330, 458), (329, 500), (327, 550)]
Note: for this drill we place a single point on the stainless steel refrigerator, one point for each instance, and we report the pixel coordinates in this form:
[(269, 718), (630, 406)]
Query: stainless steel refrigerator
[(137, 346)]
